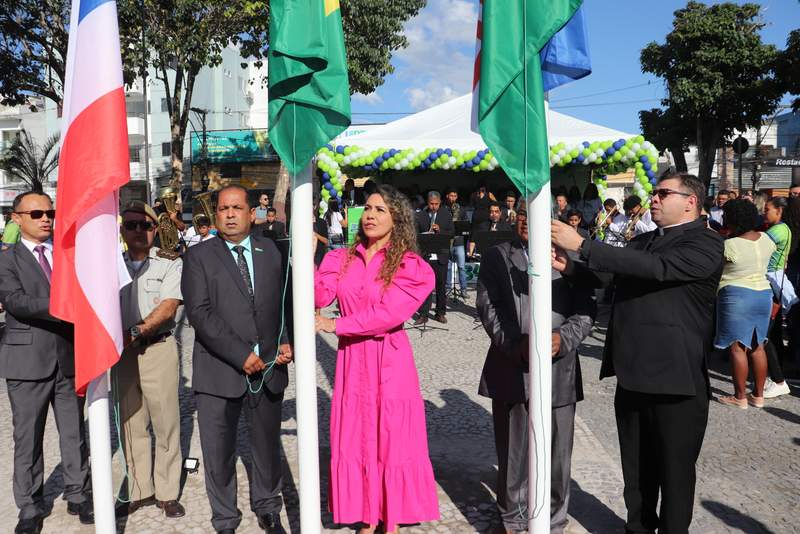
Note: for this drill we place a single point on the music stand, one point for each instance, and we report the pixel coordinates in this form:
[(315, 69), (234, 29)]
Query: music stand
[(430, 243), (462, 230), (484, 240)]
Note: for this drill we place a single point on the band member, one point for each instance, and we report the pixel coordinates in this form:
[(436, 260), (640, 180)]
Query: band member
[(37, 361), (437, 220), (233, 288), (147, 374)]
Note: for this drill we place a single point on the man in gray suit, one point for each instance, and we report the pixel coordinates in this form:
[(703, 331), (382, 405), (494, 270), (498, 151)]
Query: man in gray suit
[(233, 290), (37, 361), (504, 307)]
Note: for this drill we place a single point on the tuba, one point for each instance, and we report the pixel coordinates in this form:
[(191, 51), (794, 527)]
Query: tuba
[(205, 206), (167, 231)]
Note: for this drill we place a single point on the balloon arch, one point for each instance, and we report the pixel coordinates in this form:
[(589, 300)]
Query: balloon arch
[(603, 157)]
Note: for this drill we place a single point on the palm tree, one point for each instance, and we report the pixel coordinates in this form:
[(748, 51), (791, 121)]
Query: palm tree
[(27, 161)]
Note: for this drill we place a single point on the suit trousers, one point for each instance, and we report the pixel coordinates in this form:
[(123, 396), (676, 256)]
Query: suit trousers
[(218, 419), (30, 401), (440, 271), (660, 437), (511, 440), (146, 380)]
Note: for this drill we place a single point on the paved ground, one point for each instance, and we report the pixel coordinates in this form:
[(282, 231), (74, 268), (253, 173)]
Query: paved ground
[(749, 470)]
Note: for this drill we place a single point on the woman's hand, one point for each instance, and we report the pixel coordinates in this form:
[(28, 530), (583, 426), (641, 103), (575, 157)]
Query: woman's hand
[(325, 324)]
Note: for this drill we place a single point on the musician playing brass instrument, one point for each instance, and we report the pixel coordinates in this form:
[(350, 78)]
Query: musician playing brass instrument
[(169, 224), (639, 219)]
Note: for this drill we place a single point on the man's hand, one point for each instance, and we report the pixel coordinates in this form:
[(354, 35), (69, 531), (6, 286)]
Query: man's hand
[(556, 344), (435, 228), (253, 364), (565, 236), (325, 324), (559, 259), (285, 354)]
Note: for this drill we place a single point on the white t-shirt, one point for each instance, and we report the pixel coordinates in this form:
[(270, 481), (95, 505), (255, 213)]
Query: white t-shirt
[(335, 227)]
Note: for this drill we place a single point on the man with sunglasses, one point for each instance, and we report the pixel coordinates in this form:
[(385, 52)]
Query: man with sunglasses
[(37, 361), (658, 338), (146, 377)]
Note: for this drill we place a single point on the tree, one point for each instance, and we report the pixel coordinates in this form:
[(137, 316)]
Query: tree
[(789, 67), (30, 163), (720, 76), (33, 50), (668, 130)]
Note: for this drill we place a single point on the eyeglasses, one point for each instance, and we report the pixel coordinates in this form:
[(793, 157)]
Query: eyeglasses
[(38, 214), (142, 226), (664, 193), (794, 194)]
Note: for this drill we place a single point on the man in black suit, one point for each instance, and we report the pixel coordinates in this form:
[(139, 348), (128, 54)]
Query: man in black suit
[(435, 219), (232, 289), (37, 361), (504, 307), (494, 224), (657, 342), (271, 227)]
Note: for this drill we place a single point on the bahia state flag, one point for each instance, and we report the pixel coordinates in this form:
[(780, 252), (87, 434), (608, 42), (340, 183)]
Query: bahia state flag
[(524, 48), (309, 91), (87, 265)]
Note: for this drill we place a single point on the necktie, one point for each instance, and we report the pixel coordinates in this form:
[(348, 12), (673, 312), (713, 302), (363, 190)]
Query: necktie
[(494, 227), (43, 263), (433, 219), (244, 270)]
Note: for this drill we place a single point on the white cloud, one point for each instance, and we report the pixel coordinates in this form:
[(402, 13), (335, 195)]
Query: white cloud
[(370, 99), (438, 61)]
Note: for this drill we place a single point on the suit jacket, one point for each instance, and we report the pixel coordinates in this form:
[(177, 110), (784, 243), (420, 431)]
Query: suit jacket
[(227, 324), (34, 341), (504, 307), (445, 221), (502, 226), (661, 326), (274, 230)]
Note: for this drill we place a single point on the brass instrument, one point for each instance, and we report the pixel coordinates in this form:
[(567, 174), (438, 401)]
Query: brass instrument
[(206, 207), (167, 230), (630, 228), (602, 220)]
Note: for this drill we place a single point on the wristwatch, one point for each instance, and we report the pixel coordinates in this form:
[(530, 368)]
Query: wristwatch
[(135, 331)]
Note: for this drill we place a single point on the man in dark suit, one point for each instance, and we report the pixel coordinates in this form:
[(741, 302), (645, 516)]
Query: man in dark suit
[(658, 338), (494, 224), (232, 289), (271, 227), (504, 307), (435, 219), (37, 361)]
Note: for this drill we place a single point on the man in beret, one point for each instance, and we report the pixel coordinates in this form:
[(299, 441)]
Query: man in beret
[(146, 377)]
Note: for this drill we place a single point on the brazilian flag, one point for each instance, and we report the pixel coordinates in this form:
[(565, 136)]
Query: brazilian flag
[(309, 92)]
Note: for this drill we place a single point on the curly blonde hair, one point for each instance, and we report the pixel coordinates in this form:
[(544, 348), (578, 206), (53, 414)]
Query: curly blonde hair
[(404, 234)]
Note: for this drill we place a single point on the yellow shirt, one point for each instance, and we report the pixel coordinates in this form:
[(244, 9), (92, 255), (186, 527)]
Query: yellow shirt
[(746, 262)]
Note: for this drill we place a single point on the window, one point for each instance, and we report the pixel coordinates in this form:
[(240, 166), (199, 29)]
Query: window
[(164, 105), (135, 154), (166, 149)]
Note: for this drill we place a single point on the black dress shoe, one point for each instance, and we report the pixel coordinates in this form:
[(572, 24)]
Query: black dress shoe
[(420, 320), (271, 523), (226, 531), (440, 318), (29, 526), (84, 510), (141, 503)]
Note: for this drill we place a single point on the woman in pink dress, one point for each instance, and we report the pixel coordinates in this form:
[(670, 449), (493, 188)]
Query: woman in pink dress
[(380, 468)]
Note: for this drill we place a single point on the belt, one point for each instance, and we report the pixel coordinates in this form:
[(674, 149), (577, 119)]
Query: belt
[(152, 340)]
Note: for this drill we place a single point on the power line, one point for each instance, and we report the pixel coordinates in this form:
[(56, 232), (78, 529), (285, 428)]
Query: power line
[(602, 92), (608, 103)]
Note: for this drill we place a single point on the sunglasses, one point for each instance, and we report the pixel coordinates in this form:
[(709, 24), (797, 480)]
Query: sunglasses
[(664, 193), (38, 214), (142, 226)]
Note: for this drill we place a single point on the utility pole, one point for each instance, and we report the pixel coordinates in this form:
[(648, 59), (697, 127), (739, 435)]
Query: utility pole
[(145, 111), (204, 181)]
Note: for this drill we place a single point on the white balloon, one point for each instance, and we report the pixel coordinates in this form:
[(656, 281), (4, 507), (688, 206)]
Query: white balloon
[(494, 161), (555, 159), (586, 161), (452, 160), (338, 173), (397, 166), (562, 153), (446, 166), (592, 157), (636, 147)]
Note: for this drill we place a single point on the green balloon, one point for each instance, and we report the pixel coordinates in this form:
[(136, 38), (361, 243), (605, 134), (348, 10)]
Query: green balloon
[(648, 187)]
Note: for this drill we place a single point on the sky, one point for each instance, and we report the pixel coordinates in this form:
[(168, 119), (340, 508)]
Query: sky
[(437, 65)]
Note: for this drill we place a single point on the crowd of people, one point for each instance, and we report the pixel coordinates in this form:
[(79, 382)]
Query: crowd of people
[(686, 276)]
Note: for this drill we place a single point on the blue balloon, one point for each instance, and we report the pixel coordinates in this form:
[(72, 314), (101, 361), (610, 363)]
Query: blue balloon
[(610, 151), (644, 159), (379, 160), (580, 158), (329, 146), (646, 166), (329, 187), (340, 149), (386, 155), (586, 144), (468, 164), (462, 166), (439, 152), (651, 174), (392, 152), (448, 151), (326, 176), (480, 155), (653, 181), (476, 160)]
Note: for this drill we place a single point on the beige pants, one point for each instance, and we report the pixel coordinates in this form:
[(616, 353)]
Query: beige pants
[(147, 390)]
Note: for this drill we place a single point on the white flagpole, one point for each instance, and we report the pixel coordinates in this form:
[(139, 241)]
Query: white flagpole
[(100, 447), (305, 350), (541, 364)]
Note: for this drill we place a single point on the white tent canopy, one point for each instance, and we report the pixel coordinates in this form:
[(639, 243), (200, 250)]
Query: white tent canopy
[(448, 126)]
